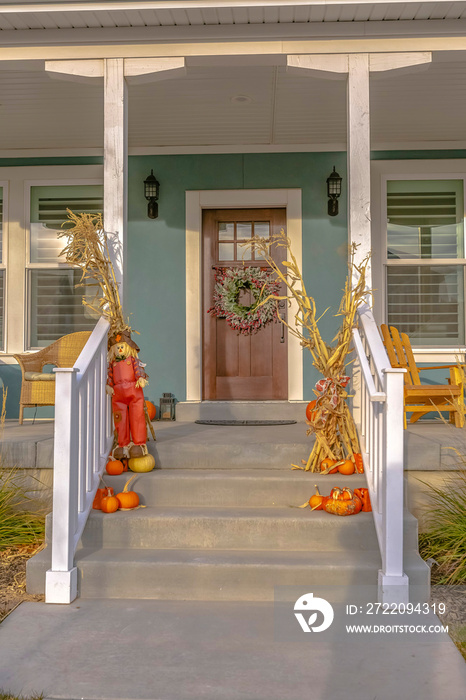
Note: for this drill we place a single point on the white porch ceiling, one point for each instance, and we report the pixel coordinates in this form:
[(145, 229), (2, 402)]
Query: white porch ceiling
[(43, 15), (279, 110)]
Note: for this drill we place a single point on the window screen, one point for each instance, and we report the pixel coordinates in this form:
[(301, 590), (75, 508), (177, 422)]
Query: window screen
[(55, 304), (425, 223)]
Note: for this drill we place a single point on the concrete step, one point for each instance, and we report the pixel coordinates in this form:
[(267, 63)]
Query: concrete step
[(192, 446), (186, 574), (278, 528), (241, 410), (230, 488)]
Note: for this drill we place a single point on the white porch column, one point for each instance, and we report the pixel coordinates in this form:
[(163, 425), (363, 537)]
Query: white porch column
[(358, 157), (116, 164)]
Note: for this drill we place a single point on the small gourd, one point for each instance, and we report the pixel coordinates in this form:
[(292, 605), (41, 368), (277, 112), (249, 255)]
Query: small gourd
[(358, 462), (128, 499), (343, 502), (99, 495), (316, 500), (114, 467), (327, 466), (151, 410), (311, 413), (346, 467), (363, 494), (142, 464), (110, 503)]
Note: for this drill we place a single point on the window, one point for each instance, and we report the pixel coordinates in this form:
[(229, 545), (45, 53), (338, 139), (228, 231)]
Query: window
[(425, 260), (54, 303), (2, 275)]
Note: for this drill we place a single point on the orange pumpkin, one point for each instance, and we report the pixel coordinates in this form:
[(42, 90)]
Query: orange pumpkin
[(310, 411), (128, 499), (99, 494), (110, 503), (347, 467), (343, 502), (358, 462), (364, 495), (151, 410), (316, 500), (114, 467), (326, 464)]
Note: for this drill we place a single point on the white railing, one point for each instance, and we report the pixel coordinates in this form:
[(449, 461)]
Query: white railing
[(380, 427), (83, 438)]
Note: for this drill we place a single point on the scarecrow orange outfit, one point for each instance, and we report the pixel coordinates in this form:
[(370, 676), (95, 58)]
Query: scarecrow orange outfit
[(127, 400)]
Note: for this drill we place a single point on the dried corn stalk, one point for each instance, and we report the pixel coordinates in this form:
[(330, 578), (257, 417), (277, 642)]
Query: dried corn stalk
[(87, 249), (332, 422)]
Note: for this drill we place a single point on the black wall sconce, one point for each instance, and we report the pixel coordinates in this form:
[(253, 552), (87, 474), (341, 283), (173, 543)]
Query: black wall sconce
[(333, 192), (151, 193)]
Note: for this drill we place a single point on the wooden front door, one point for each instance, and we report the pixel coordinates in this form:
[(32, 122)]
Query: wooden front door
[(252, 367)]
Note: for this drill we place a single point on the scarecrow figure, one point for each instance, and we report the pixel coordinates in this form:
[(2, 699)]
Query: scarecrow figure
[(125, 382)]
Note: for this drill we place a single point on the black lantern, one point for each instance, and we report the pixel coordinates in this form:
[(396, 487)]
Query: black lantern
[(333, 192), (167, 407), (151, 193)]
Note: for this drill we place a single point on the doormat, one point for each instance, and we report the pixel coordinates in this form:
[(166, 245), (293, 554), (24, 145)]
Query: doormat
[(245, 422)]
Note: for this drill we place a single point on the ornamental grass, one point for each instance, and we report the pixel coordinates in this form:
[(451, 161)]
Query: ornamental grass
[(22, 521), (445, 536), (332, 422)]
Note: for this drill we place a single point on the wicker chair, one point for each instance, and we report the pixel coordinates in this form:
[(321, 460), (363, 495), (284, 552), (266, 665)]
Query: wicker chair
[(37, 387)]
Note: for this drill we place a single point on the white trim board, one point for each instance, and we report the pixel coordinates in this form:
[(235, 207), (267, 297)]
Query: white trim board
[(196, 201), (229, 148)]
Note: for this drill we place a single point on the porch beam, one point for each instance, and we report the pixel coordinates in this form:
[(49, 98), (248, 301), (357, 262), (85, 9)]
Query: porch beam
[(216, 47)]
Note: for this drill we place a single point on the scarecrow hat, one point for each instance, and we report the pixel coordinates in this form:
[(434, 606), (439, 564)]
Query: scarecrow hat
[(122, 337)]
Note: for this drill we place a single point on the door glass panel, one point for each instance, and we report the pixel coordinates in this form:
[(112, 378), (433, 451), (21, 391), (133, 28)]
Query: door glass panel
[(262, 229), (425, 219), (226, 231), (226, 251), (244, 252), (243, 230)]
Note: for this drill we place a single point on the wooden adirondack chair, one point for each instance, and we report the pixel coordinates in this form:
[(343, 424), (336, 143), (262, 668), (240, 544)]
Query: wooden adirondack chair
[(420, 399)]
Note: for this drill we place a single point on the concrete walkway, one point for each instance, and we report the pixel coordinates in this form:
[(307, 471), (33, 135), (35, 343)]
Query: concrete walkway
[(164, 650)]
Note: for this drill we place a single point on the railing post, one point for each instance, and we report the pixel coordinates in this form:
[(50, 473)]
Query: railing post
[(61, 580), (393, 584)]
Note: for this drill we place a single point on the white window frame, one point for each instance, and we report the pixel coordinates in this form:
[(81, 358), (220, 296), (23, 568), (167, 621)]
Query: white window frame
[(381, 173), (18, 180)]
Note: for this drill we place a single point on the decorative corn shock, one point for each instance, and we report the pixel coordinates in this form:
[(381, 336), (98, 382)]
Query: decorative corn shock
[(87, 249), (332, 422)]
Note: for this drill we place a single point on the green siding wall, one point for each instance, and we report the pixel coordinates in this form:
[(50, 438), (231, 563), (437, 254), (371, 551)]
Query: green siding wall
[(156, 251)]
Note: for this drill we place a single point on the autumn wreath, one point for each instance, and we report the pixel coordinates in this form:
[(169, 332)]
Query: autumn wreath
[(229, 283)]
